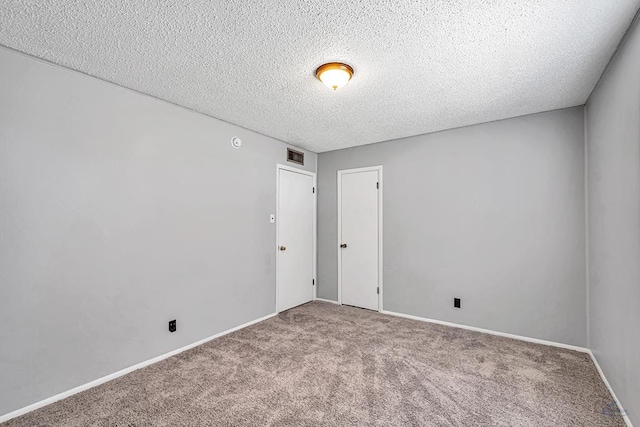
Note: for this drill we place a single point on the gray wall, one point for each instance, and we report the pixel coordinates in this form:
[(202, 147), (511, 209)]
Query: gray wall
[(613, 150), (492, 213), (119, 212)]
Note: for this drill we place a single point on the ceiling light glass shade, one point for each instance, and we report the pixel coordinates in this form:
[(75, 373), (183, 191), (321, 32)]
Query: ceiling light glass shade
[(334, 74)]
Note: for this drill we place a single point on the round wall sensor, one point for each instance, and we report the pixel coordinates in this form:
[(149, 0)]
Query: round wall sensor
[(236, 142)]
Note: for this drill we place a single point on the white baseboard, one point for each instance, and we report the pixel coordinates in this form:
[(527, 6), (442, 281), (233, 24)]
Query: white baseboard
[(488, 331), (327, 300), (625, 417), (122, 372)]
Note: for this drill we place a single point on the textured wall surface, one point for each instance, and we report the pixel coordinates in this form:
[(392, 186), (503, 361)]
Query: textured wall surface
[(492, 213), (421, 66), (613, 144), (118, 213)]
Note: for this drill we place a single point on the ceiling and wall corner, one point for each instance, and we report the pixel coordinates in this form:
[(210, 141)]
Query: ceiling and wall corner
[(420, 66), (613, 177)]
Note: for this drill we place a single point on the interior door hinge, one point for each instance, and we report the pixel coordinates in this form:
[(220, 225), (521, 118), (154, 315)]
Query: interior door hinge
[(378, 290), (314, 189), (313, 282), (377, 185)]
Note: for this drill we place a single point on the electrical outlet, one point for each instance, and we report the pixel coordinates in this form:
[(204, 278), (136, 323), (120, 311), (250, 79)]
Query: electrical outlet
[(172, 325), (456, 302)]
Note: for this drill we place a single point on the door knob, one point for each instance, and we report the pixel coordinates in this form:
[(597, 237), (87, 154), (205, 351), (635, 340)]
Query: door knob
[(283, 248), (344, 245)]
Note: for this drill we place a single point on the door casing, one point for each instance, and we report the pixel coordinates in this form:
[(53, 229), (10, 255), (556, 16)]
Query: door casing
[(380, 222), (280, 167)]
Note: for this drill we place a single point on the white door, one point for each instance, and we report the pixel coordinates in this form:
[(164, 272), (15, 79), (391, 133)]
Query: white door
[(359, 245), (295, 238)]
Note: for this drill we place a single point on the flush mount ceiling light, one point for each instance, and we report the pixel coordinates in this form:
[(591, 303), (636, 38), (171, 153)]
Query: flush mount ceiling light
[(334, 74)]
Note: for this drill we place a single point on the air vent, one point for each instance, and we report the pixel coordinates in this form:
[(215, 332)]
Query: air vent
[(295, 156)]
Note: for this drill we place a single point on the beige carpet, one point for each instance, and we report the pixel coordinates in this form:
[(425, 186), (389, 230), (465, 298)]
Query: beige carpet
[(322, 364)]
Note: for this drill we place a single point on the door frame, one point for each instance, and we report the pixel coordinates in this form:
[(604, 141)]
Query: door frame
[(280, 167), (380, 245)]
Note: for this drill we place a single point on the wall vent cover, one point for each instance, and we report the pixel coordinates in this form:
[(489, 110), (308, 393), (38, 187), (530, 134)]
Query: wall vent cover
[(295, 156)]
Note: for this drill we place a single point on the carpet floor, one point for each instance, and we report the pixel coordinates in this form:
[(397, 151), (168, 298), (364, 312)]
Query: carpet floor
[(322, 364)]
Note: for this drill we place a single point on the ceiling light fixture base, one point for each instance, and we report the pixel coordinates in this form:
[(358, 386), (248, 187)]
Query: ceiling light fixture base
[(334, 74)]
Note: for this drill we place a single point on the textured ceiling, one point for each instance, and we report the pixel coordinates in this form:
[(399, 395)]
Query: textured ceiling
[(420, 66)]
